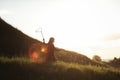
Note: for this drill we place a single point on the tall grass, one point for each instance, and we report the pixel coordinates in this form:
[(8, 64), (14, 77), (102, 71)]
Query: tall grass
[(15, 60), (25, 69)]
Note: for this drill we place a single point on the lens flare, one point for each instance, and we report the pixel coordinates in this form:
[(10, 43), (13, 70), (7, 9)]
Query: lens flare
[(34, 56), (38, 52)]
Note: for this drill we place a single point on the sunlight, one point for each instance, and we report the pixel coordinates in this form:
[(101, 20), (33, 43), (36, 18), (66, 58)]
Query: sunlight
[(42, 50), (75, 24)]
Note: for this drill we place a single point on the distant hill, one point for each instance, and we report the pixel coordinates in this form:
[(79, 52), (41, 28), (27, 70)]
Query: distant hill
[(74, 57), (15, 43)]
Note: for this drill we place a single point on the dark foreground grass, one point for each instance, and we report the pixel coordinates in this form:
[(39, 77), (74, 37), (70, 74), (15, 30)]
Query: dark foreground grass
[(25, 69)]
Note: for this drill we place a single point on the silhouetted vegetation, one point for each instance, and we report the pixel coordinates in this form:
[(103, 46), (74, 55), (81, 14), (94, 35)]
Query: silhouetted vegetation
[(115, 62), (97, 58)]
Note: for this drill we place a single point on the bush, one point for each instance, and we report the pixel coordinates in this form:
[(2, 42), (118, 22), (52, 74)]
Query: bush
[(96, 58)]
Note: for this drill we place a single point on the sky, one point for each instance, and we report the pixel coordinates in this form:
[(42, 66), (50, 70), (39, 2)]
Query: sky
[(89, 27)]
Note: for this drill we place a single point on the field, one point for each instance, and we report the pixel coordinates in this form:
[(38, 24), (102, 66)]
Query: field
[(25, 69)]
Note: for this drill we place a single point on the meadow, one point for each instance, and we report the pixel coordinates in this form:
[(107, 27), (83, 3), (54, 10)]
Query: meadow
[(25, 69)]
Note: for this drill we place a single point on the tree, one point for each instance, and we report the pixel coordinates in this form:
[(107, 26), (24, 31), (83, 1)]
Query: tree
[(96, 58)]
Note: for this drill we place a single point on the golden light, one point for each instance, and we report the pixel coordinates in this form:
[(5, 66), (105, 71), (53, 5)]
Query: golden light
[(43, 50)]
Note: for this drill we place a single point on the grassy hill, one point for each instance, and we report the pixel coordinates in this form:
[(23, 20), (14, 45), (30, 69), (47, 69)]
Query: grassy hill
[(25, 69), (74, 57), (15, 43)]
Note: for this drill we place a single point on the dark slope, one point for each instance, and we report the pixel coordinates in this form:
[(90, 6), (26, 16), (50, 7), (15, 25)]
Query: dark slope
[(12, 41)]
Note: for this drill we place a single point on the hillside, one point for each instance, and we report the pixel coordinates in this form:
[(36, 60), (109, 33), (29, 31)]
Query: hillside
[(74, 57), (12, 41), (24, 69), (15, 43)]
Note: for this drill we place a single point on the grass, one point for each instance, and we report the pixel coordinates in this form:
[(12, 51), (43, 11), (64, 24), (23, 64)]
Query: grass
[(25, 69)]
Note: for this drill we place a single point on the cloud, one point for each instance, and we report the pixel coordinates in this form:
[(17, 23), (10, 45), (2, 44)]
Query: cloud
[(115, 36)]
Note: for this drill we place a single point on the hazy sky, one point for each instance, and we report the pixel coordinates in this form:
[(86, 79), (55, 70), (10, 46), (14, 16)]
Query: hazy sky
[(86, 26)]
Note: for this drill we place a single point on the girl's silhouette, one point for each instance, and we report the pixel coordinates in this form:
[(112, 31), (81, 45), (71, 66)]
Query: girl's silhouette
[(51, 48)]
